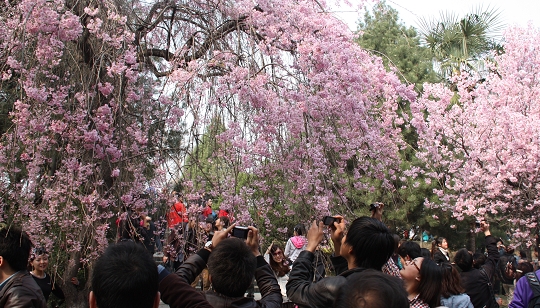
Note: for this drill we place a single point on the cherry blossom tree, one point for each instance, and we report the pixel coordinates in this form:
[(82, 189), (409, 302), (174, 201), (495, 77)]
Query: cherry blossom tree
[(483, 147), (111, 98)]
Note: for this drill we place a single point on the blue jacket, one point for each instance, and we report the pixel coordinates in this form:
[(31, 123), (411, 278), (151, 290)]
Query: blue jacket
[(457, 301)]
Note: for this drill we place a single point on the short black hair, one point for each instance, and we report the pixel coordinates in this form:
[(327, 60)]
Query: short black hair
[(478, 259), (15, 247), (125, 276), (426, 254), (411, 249), (231, 266), (373, 289), (371, 241), (464, 259)]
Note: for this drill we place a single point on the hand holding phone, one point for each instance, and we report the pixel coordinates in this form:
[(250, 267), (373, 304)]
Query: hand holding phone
[(329, 220)]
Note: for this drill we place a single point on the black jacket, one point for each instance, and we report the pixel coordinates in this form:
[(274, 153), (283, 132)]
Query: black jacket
[(439, 257), (266, 281), (476, 281), (303, 291)]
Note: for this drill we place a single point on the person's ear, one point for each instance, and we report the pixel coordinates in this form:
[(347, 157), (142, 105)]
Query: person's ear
[(92, 300), (156, 300)]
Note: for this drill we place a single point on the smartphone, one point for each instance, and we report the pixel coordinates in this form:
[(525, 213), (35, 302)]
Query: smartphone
[(329, 220), (240, 232)]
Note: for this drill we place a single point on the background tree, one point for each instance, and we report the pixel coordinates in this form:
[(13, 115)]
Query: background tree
[(461, 43), (484, 148), (383, 33)]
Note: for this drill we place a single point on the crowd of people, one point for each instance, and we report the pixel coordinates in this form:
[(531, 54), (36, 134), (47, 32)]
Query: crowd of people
[(373, 268)]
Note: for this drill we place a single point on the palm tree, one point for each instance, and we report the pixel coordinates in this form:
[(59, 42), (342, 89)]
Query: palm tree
[(461, 43)]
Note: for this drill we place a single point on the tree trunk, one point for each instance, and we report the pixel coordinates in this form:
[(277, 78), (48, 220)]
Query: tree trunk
[(471, 238), (76, 296)]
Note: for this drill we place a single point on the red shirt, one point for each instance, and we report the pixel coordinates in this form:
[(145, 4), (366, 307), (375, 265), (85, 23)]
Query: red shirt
[(177, 214)]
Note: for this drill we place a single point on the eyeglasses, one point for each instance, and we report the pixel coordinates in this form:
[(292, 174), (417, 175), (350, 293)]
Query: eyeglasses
[(413, 262)]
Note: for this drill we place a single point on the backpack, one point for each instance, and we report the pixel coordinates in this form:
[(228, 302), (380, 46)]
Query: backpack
[(535, 287)]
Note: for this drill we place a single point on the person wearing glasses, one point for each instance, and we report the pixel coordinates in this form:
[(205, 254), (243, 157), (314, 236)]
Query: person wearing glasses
[(281, 267), (422, 278)]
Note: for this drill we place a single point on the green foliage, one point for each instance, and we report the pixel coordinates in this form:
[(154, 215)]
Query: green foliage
[(202, 166), (386, 36), (462, 43)]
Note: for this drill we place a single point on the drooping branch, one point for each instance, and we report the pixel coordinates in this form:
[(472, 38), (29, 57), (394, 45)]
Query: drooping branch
[(219, 33), (226, 28), (154, 52)]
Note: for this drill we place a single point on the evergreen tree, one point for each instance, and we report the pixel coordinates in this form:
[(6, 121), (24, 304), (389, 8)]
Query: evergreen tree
[(382, 32)]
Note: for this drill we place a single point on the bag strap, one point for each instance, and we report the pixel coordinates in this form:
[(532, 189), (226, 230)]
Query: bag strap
[(535, 287), (491, 302)]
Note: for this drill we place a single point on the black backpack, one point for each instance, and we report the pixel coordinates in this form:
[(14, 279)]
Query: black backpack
[(535, 287)]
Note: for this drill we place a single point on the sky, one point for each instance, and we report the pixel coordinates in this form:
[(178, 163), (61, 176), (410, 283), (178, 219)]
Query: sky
[(513, 12)]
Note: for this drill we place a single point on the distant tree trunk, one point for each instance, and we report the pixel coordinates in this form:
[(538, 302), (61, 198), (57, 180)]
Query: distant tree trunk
[(471, 238)]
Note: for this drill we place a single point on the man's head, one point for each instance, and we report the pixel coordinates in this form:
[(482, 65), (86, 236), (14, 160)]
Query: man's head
[(15, 248), (464, 259), (478, 259), (372, 289), (125, 276), (509, 250), (409, 250), (369, 241), (231, 267)]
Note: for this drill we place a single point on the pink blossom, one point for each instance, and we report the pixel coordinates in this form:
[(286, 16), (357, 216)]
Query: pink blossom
[(105, 88)]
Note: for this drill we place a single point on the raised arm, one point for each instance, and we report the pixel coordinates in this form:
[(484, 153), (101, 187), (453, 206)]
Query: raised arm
[(193, 266), (491, 246), (179, 294), (266, 280), (300, 288)]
